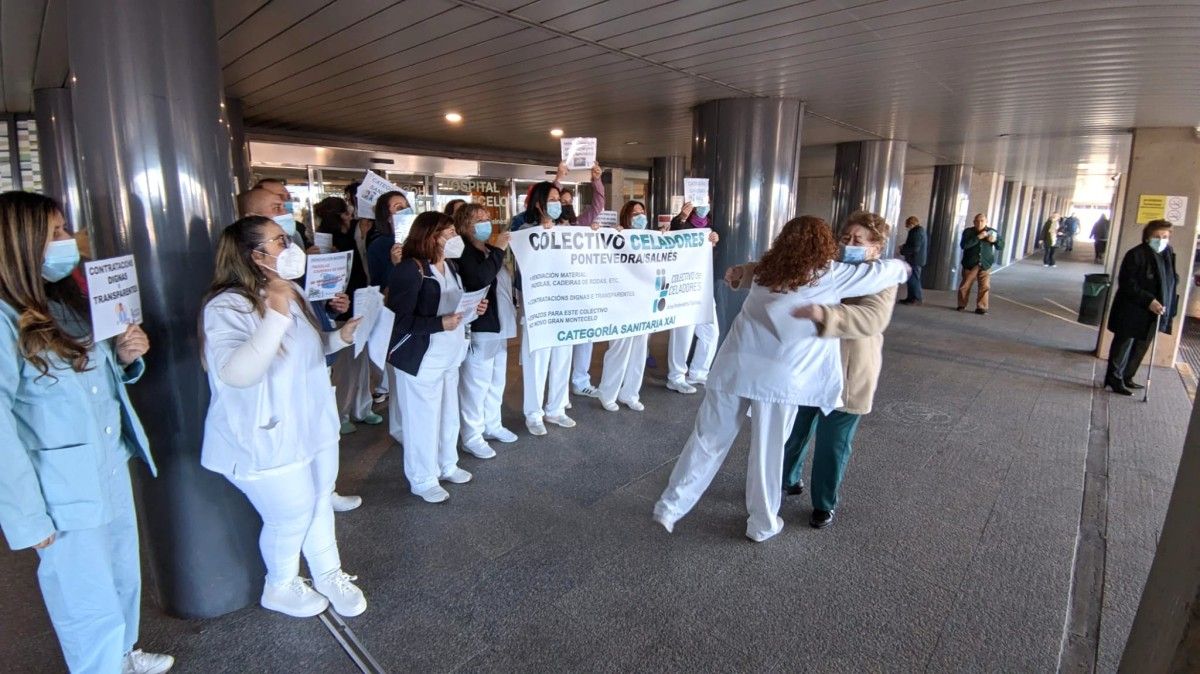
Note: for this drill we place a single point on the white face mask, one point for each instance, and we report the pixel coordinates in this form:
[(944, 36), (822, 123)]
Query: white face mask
[(291, 263), (454, 248)]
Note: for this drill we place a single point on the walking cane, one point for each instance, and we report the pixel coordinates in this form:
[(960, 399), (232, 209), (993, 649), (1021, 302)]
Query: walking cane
[(1150, 365)]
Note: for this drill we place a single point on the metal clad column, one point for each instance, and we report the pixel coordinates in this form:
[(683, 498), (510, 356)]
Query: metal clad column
[(239, 148), (947, 219), (869, 175), (666, 180), (56, 150), (749, 149), (1006, 220), (156, 171)]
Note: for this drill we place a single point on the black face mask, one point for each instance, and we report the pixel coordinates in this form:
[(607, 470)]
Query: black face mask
[(568, 214)]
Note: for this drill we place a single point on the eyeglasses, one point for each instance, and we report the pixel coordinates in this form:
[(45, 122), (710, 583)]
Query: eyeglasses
[(282, 240)]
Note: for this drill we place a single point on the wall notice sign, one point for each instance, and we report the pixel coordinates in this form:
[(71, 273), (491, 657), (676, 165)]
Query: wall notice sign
[(369, 192), (578, 153), (327, 275), (695, 190), (114, 296), (1161, 207), (607, 219)]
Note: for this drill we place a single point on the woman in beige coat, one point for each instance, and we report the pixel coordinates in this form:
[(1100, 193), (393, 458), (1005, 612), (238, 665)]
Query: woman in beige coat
[(859, 323)]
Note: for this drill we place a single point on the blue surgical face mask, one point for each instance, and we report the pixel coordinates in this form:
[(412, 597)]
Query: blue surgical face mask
[(407, 210), (639, 221), (853, 254), (1159, 245), (553, 210), (483, 230), (702, 211), (288, 222), (61, 259)]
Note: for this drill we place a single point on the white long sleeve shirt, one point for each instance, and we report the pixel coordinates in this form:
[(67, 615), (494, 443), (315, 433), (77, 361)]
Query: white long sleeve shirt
[(773, 356), (272, 403)]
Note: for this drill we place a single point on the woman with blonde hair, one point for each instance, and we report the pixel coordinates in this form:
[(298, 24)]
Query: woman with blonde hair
[(770, 364), (67, 432), (272, 424)]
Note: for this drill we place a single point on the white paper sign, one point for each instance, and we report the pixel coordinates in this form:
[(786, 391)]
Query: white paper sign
[(368, 303), (582, 286), (470, 302), (114, 296), (695, 190), (327, 275), (676, 204), (381, 334), (323, 241), (608, 219), (578, 153), (402, 225), (373, 186)]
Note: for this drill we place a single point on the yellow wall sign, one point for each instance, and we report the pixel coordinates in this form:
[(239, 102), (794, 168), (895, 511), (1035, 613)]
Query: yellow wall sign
[(1161, 207)]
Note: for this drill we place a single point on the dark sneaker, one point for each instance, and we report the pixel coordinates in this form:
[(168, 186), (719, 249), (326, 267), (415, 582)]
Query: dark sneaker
[(820, 519), (794, 489), (981, 311)]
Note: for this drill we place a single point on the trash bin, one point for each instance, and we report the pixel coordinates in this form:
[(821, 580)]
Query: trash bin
[(1095, 296)]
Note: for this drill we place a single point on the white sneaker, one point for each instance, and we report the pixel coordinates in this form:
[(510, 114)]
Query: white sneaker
[(696, 381), (501, 434), (343, 504), (295, 598), (458, 475), (434, 494), (610, 406), (588, 390), (535, 427), (339, 588), (680, 386), (635, 405), (568, 405), (139, 662), (561, 420), (481, 451)]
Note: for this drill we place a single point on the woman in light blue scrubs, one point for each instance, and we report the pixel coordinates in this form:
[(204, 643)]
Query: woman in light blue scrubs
[(67, 432)]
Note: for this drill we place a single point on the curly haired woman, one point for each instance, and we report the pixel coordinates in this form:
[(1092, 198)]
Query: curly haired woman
[(771, 363)]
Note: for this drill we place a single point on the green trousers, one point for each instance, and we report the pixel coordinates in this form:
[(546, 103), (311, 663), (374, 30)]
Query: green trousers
[(834, 437)]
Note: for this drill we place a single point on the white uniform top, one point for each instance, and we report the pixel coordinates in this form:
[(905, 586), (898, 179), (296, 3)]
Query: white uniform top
[(447, 348), (775, 357), (272, 404)]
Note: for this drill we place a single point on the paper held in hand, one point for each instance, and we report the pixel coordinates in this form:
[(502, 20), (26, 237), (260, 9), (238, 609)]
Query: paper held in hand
[(402, 225), (676, 204), (369, 192), (323, 241), (608, 219), (368, 305), (695, 190), (470, 302), (578, 153), (327, 275), (113, 295)]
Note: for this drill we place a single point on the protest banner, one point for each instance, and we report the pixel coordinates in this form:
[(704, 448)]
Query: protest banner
[(581, 285), (578, 153), (695, 190), (327, 275), (114, 296)]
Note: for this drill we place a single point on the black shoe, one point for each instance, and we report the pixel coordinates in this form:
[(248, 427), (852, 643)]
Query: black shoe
[(960, 308), (1132, 385), (820, 519), (794, 489), (981, 311), (1118, 387), (905, 301)]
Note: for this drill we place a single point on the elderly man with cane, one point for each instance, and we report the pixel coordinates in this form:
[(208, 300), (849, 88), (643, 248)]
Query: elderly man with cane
[(1144, 305)]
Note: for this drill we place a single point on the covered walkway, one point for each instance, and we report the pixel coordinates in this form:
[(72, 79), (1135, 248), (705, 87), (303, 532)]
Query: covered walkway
[(953, 550)]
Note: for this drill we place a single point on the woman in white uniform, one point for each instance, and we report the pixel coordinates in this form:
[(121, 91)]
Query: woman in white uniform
[(547, 371), (485, 369), (681, 377), (427, 347), (770, 363), (272, 425)]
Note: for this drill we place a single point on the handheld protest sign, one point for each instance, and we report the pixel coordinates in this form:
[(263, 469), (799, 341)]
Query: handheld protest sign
[(695, 190), (113, 294), (327, 275), (578, 153)]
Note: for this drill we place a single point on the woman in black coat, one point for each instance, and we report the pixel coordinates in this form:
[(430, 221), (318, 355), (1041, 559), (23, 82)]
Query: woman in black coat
[(1145, 302)]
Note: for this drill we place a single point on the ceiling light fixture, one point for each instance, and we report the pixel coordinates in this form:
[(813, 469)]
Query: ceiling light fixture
[(556, 132), (453, 117), (633, 142)]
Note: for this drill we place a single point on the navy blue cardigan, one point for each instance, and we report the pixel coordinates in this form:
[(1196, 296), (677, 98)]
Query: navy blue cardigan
[(413, 295)]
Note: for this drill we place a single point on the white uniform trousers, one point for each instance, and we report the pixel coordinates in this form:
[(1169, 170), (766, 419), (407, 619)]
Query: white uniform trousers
[(581, 364), (430, 403), (545, 373), (352, 381), (681, 343), (294, 503), (481, 387), (92, 585), (624, 365), (380, 382), (717, 424), (395, 412)]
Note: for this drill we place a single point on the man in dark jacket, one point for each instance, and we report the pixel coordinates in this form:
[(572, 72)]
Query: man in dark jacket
[(915, 252), (1145, 302), (979, 245), (1100, 235), (1070, 229)]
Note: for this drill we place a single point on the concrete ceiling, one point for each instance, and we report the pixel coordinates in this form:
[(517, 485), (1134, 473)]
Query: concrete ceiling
[(1044, 91)]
